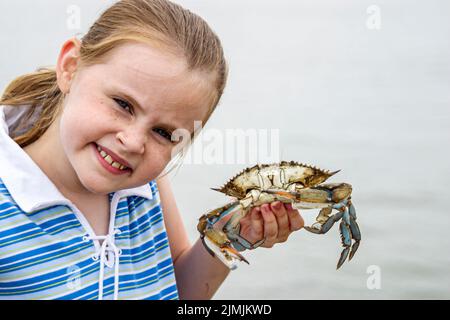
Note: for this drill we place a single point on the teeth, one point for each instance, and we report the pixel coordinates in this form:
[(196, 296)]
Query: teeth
[(110, 160), (116, 165)]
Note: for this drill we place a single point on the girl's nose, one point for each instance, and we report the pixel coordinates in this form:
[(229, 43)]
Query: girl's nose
[(132, 141)]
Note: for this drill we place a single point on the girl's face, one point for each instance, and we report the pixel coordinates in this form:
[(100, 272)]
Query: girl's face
[(129, 105)]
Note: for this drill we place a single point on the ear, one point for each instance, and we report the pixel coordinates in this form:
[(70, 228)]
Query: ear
[(67, 64)]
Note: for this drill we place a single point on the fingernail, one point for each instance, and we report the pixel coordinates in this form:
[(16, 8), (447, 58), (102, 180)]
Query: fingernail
[(277, 205)]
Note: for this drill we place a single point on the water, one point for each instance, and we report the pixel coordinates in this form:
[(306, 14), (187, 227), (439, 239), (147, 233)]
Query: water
[(373, 103)]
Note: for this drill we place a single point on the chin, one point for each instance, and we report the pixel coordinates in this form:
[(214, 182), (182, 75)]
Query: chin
[(97, 187)]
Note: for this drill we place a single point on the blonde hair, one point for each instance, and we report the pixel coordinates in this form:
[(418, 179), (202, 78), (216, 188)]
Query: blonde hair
[(148, 21)]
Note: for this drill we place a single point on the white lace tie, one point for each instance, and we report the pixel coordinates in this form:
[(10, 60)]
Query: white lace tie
[(107, 248)]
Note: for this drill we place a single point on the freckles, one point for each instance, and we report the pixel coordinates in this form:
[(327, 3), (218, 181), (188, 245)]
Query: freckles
[(114, 114)]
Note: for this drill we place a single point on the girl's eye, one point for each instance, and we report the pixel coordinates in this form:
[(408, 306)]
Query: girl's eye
[(123, 104), (163, 133)]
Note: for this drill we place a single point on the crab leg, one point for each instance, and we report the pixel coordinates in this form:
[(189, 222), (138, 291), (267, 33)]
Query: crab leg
[(346, 237), (214, 240), (221, 212), (349, 228), (351, 210), (356, 233), (322, 228), (288, 195), (237, 210), (233, 228)]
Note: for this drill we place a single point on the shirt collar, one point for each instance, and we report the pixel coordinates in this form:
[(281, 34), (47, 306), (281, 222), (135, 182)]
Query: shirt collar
[(28, 185)]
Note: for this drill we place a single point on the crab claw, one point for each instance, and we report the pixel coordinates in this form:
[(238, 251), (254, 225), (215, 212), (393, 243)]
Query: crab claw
[(218, 245), (234, 253)]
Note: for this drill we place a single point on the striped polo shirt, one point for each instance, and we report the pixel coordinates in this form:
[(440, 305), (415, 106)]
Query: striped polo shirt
[(48, 250)]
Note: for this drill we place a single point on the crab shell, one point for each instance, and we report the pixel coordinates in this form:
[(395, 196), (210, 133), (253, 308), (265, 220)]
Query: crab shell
[(276, 175)]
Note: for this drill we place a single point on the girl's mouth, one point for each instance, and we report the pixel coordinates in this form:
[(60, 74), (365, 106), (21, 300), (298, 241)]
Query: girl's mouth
[(108, 163)]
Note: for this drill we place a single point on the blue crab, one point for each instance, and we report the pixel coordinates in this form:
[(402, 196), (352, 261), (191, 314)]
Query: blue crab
[(289, 182)]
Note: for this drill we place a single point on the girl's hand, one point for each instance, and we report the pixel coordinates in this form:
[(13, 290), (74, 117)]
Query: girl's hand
[(275, 222)]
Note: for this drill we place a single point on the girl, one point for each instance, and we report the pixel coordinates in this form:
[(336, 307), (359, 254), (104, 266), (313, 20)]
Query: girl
[(85, 209)]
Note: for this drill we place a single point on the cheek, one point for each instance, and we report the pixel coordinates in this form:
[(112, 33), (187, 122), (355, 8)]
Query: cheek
[(75, 131), (86, 122), (152, 166)]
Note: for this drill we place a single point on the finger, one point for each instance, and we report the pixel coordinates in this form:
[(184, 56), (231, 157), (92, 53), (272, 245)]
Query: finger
[(282, 220), (270, 226), (296, 221), (247, 218), (257, 222), (289, 206)]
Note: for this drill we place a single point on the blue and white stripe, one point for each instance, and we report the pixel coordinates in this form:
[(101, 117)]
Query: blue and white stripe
[(44, 254)]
